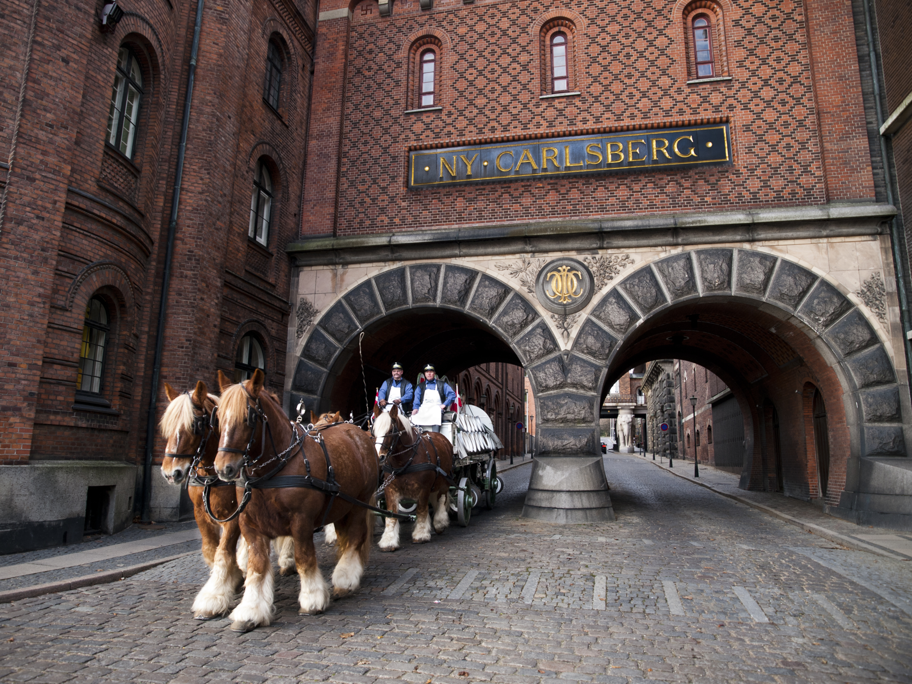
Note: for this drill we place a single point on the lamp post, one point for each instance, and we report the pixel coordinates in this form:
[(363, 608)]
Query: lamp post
[(511, 434), (693, 405)]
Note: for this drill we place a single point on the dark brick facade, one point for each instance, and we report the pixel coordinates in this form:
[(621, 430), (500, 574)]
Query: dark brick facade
[(793, 99), (80, 219)]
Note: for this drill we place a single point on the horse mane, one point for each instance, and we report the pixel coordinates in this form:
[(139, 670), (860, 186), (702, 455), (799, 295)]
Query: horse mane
[(384, 422), (179, 415)]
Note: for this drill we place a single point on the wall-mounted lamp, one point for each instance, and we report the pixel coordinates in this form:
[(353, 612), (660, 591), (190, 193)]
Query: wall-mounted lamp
[(111, 13)]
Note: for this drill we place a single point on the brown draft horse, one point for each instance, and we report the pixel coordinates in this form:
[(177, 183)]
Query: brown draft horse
[(413, 461), (189, 454), (280, 463)]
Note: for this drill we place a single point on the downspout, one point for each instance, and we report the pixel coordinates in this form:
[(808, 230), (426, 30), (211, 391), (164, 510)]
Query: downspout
[(166, 276), (895, 236)]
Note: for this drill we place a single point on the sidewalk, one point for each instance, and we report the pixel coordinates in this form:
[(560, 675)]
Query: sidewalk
[(896, 545)]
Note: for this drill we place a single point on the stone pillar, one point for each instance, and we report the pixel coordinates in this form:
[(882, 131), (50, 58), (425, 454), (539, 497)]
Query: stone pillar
[(625, 431)]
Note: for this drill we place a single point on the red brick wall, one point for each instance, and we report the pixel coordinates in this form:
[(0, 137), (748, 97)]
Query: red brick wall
[(635, 74)]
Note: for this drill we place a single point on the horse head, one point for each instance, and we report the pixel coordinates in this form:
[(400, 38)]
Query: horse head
[(185, 427), (391, 432), (325, 419)]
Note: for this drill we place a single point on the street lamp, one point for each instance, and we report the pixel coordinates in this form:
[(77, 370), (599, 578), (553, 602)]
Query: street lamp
[(693, 405)]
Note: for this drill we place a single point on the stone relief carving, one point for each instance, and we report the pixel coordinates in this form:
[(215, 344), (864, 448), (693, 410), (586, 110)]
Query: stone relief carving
[(874, 295), (305, 314), (525, 271), (565, 324), (605, 268)]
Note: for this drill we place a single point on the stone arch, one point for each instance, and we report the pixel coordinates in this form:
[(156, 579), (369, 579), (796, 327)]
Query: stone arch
[(102, 274), (870, 411), (505, 313)]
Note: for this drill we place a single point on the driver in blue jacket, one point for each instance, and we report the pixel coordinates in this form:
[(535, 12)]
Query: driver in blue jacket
[(432, 398), (396, 392)]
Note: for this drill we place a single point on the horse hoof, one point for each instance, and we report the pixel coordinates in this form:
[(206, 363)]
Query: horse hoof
[(286, 572), (420, 541), (388, 549), (242, 626), (309, 612), (204, 618)]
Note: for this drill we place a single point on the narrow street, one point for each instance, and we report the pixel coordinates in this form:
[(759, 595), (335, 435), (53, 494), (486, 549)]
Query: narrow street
[(686, 586)]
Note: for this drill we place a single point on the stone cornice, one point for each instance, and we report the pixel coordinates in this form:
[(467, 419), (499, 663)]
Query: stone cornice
[(610, 232)]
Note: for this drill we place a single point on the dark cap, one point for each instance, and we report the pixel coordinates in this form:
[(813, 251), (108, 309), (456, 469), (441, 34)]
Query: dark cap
[(396, 365), (429, 367)]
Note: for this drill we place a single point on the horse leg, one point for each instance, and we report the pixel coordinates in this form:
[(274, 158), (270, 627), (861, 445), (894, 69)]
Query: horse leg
[(256, 608), (354, 550), (209, 531), (314, 596), (390, 539), (329, 534), (285, 551), (216, 595), (421, 532), (242, 553), (441, 517)]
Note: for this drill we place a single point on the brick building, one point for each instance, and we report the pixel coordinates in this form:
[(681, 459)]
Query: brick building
[(575, 190), (91, 119), (584, 189), (498, 389)]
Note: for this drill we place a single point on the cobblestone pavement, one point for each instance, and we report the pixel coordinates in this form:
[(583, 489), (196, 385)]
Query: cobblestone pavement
[(686, 586)]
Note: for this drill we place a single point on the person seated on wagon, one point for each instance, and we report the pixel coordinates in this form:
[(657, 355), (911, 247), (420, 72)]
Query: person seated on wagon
[(432, 398), (396, 392)]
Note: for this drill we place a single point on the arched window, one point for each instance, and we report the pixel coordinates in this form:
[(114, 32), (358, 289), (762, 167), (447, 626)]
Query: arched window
[(560, 81), (273, 84), (250, 356), (123, 114), (261, 205), (709, 434), (91, 356), (428, 77), (703, 50), (688, 440)]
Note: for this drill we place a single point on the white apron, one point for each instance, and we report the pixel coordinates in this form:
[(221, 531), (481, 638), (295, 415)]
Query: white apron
[(392, 393), (429, 413)]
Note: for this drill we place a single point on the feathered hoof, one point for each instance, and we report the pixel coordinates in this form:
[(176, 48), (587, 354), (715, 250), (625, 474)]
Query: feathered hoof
[(310, 612), (389, 549), (243, 626), (339, 593), (205, 618), (288, 572), (421, 541)]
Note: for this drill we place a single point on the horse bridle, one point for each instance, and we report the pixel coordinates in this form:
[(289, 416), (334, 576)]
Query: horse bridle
[(201, 425)]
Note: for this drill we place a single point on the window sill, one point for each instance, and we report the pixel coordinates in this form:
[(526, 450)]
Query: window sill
[(709, 80), (554, 95), (277, 113), (260, 247), (423, 109), (91, 403), (122, 158)]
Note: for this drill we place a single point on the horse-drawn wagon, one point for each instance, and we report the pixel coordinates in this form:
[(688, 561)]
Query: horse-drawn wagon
[(471, 433)]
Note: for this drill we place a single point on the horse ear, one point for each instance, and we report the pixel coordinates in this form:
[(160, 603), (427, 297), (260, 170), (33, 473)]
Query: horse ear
[(338, 417), (256, 382), (171, 393), (377, 410), (313, 418), (224, 381), (200, 393), (394, 413)]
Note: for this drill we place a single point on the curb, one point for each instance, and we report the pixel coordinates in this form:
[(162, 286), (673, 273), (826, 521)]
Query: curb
[(803, 524), (86, 580), (507, 466)]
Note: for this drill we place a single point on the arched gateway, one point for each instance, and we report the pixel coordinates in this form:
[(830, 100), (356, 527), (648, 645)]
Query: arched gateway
[(763, 322)]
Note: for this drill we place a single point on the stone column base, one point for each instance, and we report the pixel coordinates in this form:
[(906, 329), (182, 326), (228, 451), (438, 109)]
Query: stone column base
[(568, 490)]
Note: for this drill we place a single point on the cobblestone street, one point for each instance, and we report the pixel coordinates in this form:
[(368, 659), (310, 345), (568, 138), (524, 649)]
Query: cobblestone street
[(686, 586)]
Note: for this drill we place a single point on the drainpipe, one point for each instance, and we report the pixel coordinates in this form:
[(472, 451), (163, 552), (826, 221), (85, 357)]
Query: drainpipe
[(895, 236), (166, 276)]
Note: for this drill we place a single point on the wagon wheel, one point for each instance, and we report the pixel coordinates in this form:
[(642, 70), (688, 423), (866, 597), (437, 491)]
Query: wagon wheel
[(465, 500), (490, 484), (498, 485)]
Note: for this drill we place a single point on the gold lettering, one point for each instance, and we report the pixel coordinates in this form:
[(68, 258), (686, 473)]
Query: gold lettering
[(524, 158), (549, 158), (693, 151), (619, 152), (656, 149), (631, 150), (468, 163), (497, 161), (452, 170), (567, 163), (597, 152)]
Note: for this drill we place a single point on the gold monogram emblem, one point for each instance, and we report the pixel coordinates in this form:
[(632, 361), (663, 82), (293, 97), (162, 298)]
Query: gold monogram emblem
[(564, 284)]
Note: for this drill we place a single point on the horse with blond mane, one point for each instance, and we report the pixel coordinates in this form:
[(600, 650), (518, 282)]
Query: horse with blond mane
[(417, 467), (294, 482)]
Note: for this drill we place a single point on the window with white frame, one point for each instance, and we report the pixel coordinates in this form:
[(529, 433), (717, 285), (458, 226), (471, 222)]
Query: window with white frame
[(123, 113)]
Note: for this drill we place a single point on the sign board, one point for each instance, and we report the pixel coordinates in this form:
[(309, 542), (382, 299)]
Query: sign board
[(655, 148), (519, 426), (664, 427)]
